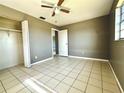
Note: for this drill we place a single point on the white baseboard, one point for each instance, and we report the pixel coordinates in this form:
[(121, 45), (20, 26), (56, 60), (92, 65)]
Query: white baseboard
[(42, 61), (89, 58), (119, 85), (9, 66)]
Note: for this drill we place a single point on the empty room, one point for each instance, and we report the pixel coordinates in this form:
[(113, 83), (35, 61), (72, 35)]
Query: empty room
[(61, 46)]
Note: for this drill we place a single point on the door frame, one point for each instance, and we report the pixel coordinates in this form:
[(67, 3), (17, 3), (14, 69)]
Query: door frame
[(26, 43), (54, 29)]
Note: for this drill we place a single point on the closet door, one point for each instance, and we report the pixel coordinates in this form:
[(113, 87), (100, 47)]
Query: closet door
[(11, 49)]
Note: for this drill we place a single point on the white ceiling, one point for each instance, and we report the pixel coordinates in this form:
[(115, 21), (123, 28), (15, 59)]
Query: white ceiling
[(80, 9)]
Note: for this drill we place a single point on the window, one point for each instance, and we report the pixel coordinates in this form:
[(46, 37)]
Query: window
[(119, 23)]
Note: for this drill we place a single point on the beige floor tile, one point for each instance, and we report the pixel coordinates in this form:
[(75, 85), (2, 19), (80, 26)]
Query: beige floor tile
[(34, 73), (64, 72), (44, 79), (32, 89), (52, 74), (46, 72), (39, 76), (21, 75), (93, 89), (73, 75), (5, 81), (15, 88), (1, 88), (68, 81), (62, 88), (23, 78), (25, 90), (96, 72), (59, 77), (74, 90), (109, 79), (83, 78), (35, 87), (52, 83), (96, 76), (95, 82), (11, 84), (68, 69), (107, 74), (75, 71), (111, 87), (3, 71), (105, 91), (79, 85), (87, 69), (83, 73), (5, 76)]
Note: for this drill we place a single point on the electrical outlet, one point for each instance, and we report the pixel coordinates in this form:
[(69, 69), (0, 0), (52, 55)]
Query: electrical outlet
[(35, 57)]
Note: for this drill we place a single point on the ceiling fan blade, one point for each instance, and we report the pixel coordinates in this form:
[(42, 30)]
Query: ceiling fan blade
[(46, 6), (64, 10), (48, 3), (60, 2), (53, 13)]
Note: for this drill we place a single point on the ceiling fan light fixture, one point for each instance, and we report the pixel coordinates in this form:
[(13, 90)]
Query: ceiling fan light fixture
[(57, 11)]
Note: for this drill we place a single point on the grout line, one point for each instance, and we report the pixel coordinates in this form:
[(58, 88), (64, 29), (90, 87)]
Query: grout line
[(23, 88), (3, 86), (47, 75), (10, 81), (19, 81), (89, 77), (77, 77), (66, 76)]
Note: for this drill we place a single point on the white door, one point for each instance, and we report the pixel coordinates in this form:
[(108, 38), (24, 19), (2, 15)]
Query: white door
[(63, 42)]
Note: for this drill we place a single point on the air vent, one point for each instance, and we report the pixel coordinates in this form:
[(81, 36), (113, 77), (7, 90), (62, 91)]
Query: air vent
[(43, 18)]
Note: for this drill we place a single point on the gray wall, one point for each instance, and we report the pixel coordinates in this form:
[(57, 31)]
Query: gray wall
[(11, 48), (89, 38), (117, 50), (40, 39), (40, 33)]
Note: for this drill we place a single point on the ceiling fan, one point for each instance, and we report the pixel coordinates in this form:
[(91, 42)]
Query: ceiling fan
[(56, 7)]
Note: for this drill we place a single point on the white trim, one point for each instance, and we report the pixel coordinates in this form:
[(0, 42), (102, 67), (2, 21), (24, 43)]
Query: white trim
[(55, 29), (26, 43), (52, 29), (11, 30), (89, 58), (119, 85), (12, 65), (42, 61), (52, 42)]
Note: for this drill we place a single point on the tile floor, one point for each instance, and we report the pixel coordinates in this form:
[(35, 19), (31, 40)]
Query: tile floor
[(60, 75)]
